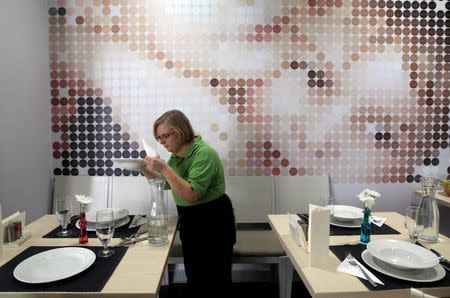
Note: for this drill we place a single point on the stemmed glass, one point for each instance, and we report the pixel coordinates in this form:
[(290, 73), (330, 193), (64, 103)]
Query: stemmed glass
[(63, 208), (327, 201), (105, 230), (413, 229)]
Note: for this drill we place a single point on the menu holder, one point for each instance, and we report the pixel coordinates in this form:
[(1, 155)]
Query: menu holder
[(319, 235), (297, 232), (15, 217)]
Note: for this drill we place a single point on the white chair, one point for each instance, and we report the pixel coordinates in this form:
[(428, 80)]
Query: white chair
[(94, 186), (295, 193), (133, 194)]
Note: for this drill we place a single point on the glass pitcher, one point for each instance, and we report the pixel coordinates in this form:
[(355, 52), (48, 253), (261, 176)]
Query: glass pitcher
[(427, 216), (157, 217)]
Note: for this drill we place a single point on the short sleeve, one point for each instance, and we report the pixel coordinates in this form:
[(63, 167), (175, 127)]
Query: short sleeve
[(202, 171)]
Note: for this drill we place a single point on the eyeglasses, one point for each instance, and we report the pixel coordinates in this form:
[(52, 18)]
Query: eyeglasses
[(164, 137)]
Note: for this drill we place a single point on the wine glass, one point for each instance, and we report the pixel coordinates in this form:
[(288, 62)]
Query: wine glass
[(63, 208), (105, 230), (413, 229), (327, 201)]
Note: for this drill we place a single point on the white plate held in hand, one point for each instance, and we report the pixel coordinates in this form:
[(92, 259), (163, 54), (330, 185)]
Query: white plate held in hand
[(402, 254), (54, 264), (128, 164)]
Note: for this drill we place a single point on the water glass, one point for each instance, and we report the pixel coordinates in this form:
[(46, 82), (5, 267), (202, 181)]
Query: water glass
[(63, 211), (413, 229), (105, 226), (328, 202)]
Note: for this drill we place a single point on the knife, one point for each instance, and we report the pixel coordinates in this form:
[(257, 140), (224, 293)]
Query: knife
[(443, 261), (132, 241)]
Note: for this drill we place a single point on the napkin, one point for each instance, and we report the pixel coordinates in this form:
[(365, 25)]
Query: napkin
[(378, 221), (149, 150), (318, 234), (138, 220), (346, 268)]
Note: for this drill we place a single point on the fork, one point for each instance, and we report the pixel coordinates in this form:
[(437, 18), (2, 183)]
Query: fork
[(352, 262)]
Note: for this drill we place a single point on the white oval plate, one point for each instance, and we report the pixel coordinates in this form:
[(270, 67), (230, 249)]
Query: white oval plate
[(421, 275), (346, 224), (402, 254), (128, 164), (54, 264), (91, 225), (119, 213), (347, 213)]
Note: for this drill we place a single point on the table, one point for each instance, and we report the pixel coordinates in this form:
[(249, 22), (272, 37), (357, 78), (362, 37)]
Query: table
[(325, 281), (139, 273)]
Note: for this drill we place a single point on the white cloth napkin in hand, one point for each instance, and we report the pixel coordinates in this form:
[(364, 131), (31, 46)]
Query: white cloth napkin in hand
[(346, 268), (378, 221), (137, 221)]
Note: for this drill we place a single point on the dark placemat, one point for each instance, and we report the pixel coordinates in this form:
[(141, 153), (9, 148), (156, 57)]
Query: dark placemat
[(120, 232), (390, 283), (340, 231), (91, 280), (253, 226)]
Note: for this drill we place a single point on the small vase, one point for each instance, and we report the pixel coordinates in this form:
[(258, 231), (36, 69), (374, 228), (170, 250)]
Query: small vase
[(365, 227), (83, 225)]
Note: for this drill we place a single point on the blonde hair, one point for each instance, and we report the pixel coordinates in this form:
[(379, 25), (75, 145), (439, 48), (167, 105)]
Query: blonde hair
[(178, 122)]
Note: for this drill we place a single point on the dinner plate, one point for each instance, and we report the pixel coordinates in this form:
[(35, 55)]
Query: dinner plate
[(54, 264), (91, 225), (346, 224), (119, 213), (128, 164), (417, 275), (347, 213), (402, 254)]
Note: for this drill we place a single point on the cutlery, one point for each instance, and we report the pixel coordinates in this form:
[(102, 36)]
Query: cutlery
[(351, 261), (132, 241), (142, 230), (444, 262)]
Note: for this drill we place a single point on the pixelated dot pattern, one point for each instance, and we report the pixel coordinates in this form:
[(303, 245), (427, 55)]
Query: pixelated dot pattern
[(358, 90)]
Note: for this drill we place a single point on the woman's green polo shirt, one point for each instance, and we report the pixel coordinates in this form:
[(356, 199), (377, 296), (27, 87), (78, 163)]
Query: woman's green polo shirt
[(201, 166)]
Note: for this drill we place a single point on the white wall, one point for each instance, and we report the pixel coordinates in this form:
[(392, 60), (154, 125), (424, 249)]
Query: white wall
[(25, 165)]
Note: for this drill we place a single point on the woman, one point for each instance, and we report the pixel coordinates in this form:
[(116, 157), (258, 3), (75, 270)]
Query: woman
[(195, 175)]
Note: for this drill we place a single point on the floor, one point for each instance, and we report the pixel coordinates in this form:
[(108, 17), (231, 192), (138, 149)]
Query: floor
[(248, 281), (241, 290)]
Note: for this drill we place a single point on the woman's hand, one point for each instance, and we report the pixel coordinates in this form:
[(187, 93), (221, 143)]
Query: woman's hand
[(154, 164), (148, 168)]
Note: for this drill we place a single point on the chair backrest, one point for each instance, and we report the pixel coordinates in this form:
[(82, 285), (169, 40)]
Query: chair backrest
[(133, 194), (295, 193), (252, 197), (94, 186)]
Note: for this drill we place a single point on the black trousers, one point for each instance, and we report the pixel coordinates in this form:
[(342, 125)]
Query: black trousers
[(208, 233)]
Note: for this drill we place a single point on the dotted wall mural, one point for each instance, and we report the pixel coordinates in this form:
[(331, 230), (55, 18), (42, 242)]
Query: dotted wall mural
[(358, 90)]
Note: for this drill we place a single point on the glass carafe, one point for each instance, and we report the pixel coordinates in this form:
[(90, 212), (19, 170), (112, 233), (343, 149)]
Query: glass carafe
[(157, 217), (427, 211)]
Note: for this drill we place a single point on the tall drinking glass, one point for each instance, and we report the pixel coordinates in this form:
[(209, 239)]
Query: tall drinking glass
[(411, 225), (105, 226), (327, 201), (63, 211)]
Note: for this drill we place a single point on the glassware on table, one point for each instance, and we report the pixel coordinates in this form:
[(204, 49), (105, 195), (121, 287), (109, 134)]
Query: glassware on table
[(411, 225), (366, 227), (328, 201), (63, 211), (427, 211), (105, 226), (157, 217)]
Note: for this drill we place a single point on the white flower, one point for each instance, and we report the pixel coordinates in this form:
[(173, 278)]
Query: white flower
[(368, 197), (83, 199)]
